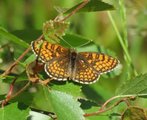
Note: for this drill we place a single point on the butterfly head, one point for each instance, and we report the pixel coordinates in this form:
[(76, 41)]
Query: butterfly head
[(73, 54)]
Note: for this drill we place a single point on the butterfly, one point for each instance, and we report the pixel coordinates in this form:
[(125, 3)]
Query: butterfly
[(66, 64)]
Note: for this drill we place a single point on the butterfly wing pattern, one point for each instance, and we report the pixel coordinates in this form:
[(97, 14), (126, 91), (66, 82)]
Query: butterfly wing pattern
[(47, 51), (90, 65), (84, 73), (100, 62), (58, 68), (63, 63)]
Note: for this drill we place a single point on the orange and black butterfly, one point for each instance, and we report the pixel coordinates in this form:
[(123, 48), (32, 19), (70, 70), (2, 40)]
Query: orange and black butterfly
[(66, 64)]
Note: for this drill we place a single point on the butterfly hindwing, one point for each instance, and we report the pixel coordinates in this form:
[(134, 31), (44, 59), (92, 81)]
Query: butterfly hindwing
[(83, 73), (58, 68), (100, 62)]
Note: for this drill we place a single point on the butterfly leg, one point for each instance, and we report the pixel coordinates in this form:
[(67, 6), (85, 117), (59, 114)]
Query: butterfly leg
[(45, 82), (32, 69), (32, 72)]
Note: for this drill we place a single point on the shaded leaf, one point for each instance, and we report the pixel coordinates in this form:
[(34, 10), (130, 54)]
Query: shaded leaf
[(20, 77), (14, 112), (136, 86), (13, 38), (134, 113), (88, 105), (92, 6), (28, 34)]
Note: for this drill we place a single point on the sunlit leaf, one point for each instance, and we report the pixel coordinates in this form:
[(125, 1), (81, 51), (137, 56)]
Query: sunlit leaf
[(63, 104), (38, 116), (69, 88), (14, 112), (58, 102)]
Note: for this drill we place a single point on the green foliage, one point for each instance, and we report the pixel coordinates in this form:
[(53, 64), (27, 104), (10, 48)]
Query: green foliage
[(12, 38), (60, 103), (54, 28), (14, 111), (136, 86)]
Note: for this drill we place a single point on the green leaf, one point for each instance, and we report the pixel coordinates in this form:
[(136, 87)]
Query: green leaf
[(136, 86), (47, 99), (13, 38), (14, 112), (134, 113), (27, 34), (88, 105), (92, 6), (66, 107), (70, 88), (74, 40), (29, 59), (38, 116)]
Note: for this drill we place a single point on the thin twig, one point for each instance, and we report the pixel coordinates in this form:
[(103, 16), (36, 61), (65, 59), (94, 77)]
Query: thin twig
[(17, 61), (9, 93), (101, 110), (8, 98)]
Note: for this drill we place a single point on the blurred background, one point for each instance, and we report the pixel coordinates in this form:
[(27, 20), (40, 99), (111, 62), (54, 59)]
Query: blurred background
[(29, 16)]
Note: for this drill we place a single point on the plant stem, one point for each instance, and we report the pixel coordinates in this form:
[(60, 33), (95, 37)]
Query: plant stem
[(123, 44), (124, 21), (104, 106)]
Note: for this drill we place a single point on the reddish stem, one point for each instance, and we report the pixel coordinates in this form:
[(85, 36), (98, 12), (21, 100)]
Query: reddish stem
[(9, 93)]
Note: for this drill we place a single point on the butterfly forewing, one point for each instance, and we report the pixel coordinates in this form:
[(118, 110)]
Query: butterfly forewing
[(47, 51), (58, 68), (100, 62), (84, 73)]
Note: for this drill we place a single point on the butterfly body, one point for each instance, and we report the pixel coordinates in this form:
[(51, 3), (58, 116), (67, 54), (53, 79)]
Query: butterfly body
[(71, 66), (66, 64)]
